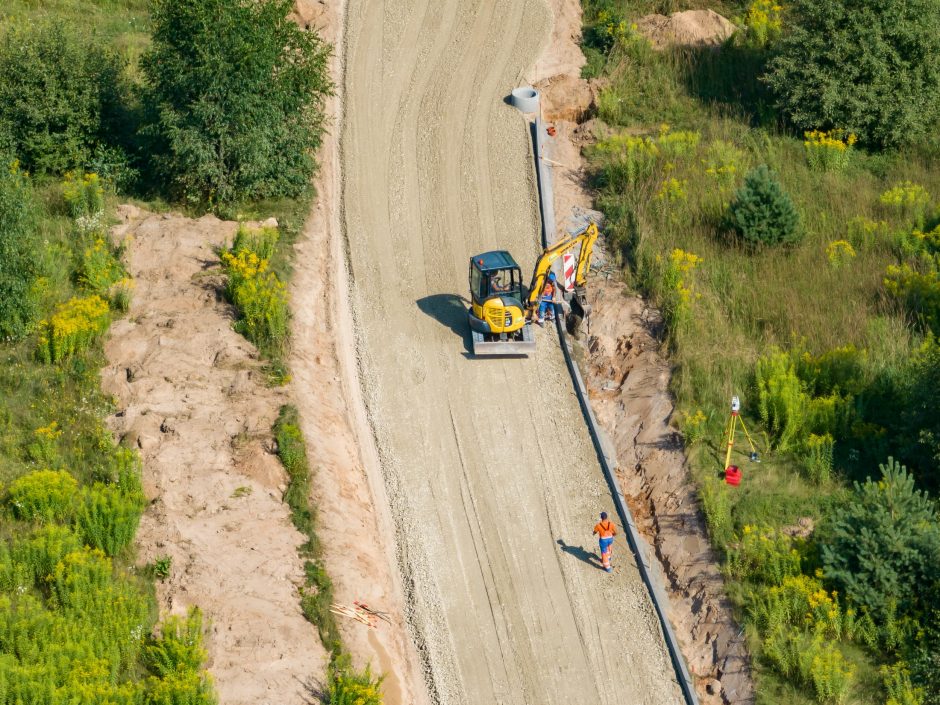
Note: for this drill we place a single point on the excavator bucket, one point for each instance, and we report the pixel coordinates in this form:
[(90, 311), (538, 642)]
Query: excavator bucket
[(506, 345)]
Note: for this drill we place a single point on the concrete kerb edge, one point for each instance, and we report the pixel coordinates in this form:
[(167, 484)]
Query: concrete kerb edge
[(656, 591)]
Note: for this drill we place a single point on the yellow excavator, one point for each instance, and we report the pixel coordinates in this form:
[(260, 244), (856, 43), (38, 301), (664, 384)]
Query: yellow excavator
[(502, 306)]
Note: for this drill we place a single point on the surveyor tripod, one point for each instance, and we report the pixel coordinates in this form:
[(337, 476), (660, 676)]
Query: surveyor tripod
[(733, 423)]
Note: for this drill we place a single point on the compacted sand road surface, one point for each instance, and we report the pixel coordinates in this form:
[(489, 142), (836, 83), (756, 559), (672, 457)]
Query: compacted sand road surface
[(490, 474)]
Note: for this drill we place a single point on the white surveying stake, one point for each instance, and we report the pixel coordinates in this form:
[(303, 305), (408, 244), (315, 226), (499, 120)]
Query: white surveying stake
[(732, 426)]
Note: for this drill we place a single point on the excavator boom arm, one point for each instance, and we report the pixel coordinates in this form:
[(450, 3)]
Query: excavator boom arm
[(586, 238)]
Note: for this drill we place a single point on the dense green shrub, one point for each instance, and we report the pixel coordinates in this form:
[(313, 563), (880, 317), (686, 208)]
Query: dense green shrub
[(883, 546), (717, 505), (919, 420), (20, 253), (811, 660), (108, 516), (316, 597), (781, 399), (234, 124), (179, 646), (45, 495), (871, 67), (762, 213), (58, 92), (43, 550), (925, 658)]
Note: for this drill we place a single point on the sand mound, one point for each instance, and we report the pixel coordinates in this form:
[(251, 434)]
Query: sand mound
[(692, 28), (566, 98)]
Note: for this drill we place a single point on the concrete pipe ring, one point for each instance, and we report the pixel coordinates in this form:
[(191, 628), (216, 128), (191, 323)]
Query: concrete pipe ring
[(526, 99)]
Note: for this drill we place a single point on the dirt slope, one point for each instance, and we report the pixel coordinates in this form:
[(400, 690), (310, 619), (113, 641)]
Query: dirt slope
[(192, 399), (491, 479), (628, 382)]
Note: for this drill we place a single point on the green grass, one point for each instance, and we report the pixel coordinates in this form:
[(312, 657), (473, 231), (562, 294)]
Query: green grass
[(740, 304), (346, 684), (317, 597), (125, 24)]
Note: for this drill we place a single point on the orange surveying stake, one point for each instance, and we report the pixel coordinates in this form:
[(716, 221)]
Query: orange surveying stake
[(733, 472)]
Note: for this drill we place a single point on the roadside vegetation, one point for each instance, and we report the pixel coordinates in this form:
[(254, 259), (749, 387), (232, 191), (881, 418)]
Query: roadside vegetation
[(779, 199), (77, 620), (346, 686), (160, 102)]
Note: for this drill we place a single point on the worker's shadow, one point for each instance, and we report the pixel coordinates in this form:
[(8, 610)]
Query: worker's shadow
[(581, 554), (449, 310)]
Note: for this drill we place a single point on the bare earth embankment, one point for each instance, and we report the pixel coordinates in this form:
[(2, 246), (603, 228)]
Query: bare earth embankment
[(491, 479), (192, 398)]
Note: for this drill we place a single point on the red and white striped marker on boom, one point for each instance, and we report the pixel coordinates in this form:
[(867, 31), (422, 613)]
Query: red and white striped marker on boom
[(568, 265)]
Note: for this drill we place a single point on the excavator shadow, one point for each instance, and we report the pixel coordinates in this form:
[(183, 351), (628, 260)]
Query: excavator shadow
[(450, 311)]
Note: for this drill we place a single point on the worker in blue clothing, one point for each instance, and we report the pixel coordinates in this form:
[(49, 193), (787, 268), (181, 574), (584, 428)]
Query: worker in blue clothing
[(547, 299)]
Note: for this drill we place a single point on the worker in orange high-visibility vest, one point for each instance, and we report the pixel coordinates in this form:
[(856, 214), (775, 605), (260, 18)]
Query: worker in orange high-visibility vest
[(606, 531)]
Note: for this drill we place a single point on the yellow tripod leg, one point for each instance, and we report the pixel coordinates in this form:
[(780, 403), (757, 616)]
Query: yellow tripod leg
[(731, 425), (748, 436)]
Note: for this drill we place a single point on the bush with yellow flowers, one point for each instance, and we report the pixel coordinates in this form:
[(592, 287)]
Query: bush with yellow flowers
[(677, 285), (817, 457), (628, 161), (918, 289), (672, 191), (121, 294), (84, 196), (44, 495), (898, 685), (256, 292), (906, 198), (723, 162), (762, 22), (73, 327), (828, 150), (763, 555), (839, 253), (81, 629), (693, 427), (351, 687), (678, 143), (865, 233), (43, 447), (98, 268)]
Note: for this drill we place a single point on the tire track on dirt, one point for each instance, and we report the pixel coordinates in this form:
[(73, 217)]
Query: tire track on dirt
[(487, 463)]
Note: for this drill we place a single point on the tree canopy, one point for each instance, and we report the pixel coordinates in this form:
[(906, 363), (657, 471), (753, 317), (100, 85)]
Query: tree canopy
[(871, 67), (236, 92)]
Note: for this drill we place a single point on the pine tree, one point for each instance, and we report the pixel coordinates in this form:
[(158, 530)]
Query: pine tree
[(762, 213)]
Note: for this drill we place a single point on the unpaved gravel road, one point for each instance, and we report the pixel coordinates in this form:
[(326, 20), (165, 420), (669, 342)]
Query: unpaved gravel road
[(491, 477)]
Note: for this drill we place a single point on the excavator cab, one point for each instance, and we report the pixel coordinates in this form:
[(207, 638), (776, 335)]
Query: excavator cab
[(497, 315)]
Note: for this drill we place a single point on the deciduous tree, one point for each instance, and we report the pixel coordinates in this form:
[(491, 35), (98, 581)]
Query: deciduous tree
[(871, 67), (236, 91)]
